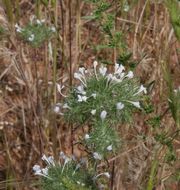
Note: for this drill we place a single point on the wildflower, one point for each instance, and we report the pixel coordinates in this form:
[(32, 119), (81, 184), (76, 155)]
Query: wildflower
[(57, 109), (136, 104), (62, 155), (31, 38), (119, 106), (141, 89), (103, 70), (104, 173), (77, 167), (45, 171), (38, 22), (94, 95), (37, 168), (80, 90), (49, 160), (66, 160), (53, 29), (42, 172), (43, 20), (18, 28), (126, 7), (80, 78), (82, 98), (83, 71), (103, 115), (130, 75), (93, 112), (118, 69), (65, 106), (95, 63), (97, 156), (86, 137), (109, 148)]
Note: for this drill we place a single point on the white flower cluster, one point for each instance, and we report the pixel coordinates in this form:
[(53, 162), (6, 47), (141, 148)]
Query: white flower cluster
[(112, 79), (44, 171), (31, 36), (51, 163)]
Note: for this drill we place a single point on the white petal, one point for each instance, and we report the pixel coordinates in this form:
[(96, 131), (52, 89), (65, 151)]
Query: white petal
[(97, 156), (103, 70), (130, 75), (103, 115), (93, 112), (86, 137), (119, 106), (109, 148)]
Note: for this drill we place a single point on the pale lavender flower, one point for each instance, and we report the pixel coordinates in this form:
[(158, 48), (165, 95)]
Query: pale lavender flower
[(109, 148), (93, 112), (31, 38), (95, 63), (136, 104), (119, 106), (103, 115), (80, 90), (97, 156), (103, 70), (118, 69), (94, 95), (82, 98), (53, 29), (104, 173), (86, 137), (130, 75)]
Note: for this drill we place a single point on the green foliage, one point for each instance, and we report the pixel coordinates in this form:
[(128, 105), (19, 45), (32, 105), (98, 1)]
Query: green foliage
[(174, 11), (3, 32), (155, 121), (105, 19), (151, 181), (35, 32), (167, 140), (101, 138)]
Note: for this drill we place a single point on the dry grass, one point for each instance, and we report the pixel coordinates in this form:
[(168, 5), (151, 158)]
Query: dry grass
[(28, 127)]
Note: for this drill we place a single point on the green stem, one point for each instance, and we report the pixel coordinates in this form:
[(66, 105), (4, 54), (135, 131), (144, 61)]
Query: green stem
[(152, 176)]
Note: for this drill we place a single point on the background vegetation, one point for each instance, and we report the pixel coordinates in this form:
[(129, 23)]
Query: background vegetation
[(143, 35)]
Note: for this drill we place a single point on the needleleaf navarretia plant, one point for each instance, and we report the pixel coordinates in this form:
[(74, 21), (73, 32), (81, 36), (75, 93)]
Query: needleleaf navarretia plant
[(67, 174), (35, 32), (102, 100)]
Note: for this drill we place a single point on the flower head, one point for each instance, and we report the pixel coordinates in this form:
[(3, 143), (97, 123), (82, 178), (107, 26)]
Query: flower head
[(130, 75), (103, 115), (82, 98), (97, 156), (86, 137), (103, 70), (119, 106), (31, 38), (93, 112), (109, 148)]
